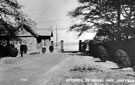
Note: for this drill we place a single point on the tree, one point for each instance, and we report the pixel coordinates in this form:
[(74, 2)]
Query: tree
[(11, 19), (114, 19)]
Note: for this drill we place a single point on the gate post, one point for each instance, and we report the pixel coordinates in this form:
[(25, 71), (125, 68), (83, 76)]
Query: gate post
[(80, 47), (62, 45)]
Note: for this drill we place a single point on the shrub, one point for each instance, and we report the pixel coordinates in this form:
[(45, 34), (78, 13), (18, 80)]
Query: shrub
[(13, 52), (122, 58), (0, 53), (93, 48), (102, 53)]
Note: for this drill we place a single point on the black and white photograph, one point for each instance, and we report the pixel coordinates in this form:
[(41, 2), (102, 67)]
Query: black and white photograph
[(67, 42)]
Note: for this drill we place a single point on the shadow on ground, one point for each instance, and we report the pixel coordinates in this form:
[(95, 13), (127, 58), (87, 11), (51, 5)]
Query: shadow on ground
[(77, 53)]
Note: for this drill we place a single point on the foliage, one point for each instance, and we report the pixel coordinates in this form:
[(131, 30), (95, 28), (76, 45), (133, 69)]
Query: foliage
[(11, 18), (113, 19), (122, 58), (102, 53)]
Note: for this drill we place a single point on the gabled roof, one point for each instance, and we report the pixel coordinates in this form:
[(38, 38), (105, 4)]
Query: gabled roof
[(30, 32), (44, 32)]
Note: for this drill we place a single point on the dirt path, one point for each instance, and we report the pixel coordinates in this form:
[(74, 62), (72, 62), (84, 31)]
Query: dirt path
[(29, 69)]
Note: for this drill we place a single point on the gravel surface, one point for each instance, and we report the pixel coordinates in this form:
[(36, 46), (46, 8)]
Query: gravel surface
[(78, 69), (86, 70)]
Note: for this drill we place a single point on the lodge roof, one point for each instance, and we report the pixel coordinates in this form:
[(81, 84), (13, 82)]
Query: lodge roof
[(41, 33), (44, 32)]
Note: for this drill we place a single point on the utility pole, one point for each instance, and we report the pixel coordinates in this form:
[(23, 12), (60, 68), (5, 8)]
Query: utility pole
[(56, 36)]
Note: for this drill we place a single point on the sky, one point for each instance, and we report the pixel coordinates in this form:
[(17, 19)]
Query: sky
[(52, 13), (49, 13)]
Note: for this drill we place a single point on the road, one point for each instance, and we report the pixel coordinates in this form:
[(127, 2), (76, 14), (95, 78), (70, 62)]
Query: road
[(36, 69), (30, 68)]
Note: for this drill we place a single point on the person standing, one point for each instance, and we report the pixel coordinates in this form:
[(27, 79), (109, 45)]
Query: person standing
[(23, 49)]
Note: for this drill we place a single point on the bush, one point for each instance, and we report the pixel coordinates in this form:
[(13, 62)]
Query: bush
[(43, 50), (13, 52), (0, 53), (93, 47), (122, 58), (102, 53), (51, 49)]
